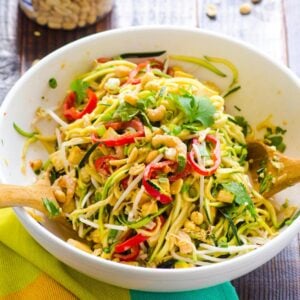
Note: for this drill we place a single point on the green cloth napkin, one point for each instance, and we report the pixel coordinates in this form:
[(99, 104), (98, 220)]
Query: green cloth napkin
[(27, 271)]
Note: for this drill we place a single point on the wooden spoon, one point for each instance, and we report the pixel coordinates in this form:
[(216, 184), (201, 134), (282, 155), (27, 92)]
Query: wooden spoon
[(26, 196), (32, 196), (281, 170)]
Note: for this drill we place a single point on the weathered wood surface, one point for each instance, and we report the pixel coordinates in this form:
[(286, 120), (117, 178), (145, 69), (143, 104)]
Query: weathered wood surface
[(273, 27)]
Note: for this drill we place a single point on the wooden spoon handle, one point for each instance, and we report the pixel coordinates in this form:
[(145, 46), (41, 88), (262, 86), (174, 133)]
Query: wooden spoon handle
[(27, 196), (288, 176), (291, 168)]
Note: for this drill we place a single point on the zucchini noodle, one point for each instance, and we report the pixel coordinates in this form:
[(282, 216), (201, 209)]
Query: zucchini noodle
[(149, 168)]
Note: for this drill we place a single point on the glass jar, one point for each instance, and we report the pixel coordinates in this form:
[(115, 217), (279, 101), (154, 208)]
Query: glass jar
[(66, 14)]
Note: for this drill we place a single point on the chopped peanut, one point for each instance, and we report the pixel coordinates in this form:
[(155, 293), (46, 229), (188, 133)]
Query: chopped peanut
[(190, 225), (136, 169), (176, 186), (197, 217), (149, 207), (156, 114), (133, 155), (36, 165), (57, 161), (184, 243), (122, 71), (75, 155), (130, 98), (225, 196), (59, 195), (152, 154)]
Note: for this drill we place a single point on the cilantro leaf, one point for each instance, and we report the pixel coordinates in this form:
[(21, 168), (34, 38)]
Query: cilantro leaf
[(274, 137), (52, 83), (241, 197), (51, 207), (79, 87), (275, 140), (196, 109), (145, 103), (125, 112)]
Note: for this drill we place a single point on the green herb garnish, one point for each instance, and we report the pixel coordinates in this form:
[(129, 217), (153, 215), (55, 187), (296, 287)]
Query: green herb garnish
[(79, 87), (125, 112), (52, 83), (241, 197), (265, 182), (274, 137), (196, 109), (52, 207)]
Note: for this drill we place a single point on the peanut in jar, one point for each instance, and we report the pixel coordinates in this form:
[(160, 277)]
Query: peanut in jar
[(66, 14)]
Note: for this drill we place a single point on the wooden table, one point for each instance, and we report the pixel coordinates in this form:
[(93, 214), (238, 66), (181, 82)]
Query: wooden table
[(273, 27)]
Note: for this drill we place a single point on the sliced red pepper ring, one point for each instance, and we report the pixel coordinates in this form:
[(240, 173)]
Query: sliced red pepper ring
[(215, 156), (150, 173), (124, 182), (124, 139), (185, 172), (130, 243), (69, 110), (133, 244), (102, 164), (134, 252)]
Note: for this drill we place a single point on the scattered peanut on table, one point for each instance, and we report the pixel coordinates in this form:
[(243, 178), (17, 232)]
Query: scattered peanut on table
[(211, 11), (245, 8)]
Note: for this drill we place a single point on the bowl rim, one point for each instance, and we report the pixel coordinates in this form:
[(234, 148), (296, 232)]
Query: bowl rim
[(29, 221)]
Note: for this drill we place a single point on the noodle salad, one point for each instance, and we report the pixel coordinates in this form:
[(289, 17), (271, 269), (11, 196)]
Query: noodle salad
[(148, 167)]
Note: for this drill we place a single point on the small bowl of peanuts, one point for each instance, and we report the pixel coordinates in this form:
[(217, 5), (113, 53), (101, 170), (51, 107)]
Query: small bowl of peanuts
[(66, 15)]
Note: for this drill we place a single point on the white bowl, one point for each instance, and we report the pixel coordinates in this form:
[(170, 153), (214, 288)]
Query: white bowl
[(267, 88)]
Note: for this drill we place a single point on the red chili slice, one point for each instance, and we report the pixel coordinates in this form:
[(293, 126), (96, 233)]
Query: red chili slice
[(132, 255), (69, 110), (130, 243), (124, 139), (185, 172), (215, 156), (102, 164), (150, 173)]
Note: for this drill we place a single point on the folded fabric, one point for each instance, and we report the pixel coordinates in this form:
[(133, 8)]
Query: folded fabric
[(27, 271)]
